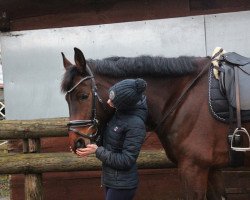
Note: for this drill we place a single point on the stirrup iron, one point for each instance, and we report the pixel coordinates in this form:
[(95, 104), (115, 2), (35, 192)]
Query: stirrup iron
[(236, 133)]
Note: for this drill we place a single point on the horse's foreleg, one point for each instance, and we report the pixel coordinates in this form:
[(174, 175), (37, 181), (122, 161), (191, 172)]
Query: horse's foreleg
[(193, 180), (216, 186)]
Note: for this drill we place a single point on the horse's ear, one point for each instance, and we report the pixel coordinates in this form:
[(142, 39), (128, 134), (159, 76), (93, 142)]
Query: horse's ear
[(66, 62), (80, 60)]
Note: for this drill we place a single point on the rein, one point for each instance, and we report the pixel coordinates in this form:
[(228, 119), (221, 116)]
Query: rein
[(179, 100), (93, 122)]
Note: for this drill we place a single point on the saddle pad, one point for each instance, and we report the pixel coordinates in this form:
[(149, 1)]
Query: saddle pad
[(218, 103)]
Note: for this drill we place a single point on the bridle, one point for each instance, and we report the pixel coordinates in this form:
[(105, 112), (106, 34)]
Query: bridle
[(93, 122)]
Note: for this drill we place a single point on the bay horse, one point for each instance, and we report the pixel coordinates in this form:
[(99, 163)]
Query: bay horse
[(177, 98)]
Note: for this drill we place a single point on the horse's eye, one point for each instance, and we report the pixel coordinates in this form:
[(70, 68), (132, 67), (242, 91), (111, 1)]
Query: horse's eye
[(84, 96)]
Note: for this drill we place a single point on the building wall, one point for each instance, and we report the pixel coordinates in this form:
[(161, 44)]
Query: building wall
[(33, 65), (1, 95), (1, 73)]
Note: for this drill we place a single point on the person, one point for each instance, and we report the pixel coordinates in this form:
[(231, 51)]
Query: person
[(122, 139)]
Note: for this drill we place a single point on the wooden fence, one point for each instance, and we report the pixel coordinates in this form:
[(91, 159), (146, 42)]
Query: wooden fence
[(32, 163)]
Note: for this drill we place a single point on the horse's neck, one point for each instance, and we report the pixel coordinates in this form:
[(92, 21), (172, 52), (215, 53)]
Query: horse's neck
[(162, 93)]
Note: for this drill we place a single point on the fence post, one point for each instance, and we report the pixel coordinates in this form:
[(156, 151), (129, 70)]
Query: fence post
[(33, 182), (25, 145)]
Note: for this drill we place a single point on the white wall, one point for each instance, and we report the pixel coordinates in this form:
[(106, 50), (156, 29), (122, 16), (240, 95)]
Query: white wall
[(1, 71), (1, 74), (230, 31), (33, 66)]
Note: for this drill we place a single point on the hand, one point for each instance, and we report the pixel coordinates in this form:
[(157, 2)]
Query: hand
[(90, 149)]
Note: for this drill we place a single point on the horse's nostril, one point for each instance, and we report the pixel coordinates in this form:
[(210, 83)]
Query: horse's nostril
[(80, 143)]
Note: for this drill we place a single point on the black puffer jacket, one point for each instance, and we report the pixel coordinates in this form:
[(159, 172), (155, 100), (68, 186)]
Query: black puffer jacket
[(122, 141)]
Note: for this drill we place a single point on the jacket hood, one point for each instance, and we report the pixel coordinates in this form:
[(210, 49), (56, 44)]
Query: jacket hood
[(140, 109)]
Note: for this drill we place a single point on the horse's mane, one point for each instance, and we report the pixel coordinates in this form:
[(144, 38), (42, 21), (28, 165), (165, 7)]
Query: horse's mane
[(153, 66), (143, 66)]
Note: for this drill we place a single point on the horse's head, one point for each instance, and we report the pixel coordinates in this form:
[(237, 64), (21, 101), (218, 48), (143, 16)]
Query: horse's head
[(81, 95)]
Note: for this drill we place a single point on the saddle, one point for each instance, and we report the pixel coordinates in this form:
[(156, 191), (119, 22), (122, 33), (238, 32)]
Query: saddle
[(233, 73)]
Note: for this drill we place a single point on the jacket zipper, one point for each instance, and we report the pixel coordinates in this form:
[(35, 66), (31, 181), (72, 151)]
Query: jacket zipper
[(116, 175)]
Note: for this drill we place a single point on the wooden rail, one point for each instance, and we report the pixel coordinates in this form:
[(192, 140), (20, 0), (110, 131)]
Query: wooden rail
[(61, 162), (24, 129)]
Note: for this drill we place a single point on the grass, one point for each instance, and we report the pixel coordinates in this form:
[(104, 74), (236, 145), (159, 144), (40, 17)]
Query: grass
[(4, 186), (4, 179)]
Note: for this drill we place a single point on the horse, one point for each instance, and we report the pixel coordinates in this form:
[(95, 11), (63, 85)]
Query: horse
[(177, 98)]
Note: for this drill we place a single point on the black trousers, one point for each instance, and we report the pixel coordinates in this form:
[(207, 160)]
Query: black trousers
[(119, 194)]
